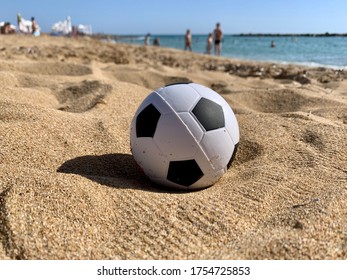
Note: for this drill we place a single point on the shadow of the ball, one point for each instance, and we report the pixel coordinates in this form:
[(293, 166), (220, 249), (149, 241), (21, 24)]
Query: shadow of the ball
[(116, 171)]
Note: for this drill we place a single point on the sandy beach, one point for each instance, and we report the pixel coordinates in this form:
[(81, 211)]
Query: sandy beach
[(70, 188)]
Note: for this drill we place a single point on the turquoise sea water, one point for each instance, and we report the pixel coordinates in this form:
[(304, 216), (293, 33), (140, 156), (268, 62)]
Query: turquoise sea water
[(311, 51)]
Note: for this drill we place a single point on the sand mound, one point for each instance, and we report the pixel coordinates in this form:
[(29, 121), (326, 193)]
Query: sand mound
[(82, 97), (282, 101), (70, 188), (142, 75), (64, 69)]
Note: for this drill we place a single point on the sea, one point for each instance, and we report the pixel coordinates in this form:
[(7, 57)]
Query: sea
[(315, 51)]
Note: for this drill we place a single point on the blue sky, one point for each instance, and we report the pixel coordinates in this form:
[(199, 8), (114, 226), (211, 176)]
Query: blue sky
[(174, 17)]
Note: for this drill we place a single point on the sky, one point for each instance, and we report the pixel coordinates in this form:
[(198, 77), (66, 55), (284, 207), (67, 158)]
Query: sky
[(175, 17)]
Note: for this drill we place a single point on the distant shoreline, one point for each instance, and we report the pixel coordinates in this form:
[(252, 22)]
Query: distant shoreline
[(327, 34)]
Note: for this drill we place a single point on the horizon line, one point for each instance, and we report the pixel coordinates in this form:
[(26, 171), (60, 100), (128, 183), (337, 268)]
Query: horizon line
[(325, 34)]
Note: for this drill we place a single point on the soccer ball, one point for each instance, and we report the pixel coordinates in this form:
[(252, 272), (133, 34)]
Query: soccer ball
[(184, 136)]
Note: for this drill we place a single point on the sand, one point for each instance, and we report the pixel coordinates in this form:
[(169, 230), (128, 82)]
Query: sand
[(70, 188)]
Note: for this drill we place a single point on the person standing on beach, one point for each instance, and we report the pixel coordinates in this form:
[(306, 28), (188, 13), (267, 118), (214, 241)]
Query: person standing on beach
[(188, 41), (209, 43), (33, 25), (147, 39), (218, 36), (19, 21), (156, 42)]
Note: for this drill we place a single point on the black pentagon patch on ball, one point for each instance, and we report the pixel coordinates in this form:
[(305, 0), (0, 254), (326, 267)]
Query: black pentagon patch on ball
[(209, 114), (184, 172), (146, 121)]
